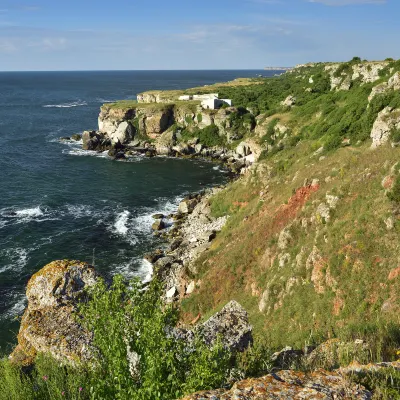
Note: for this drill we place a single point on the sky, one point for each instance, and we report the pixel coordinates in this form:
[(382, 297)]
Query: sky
[(65, 35)]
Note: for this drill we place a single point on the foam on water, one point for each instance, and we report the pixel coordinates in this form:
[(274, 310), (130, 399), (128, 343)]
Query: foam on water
[(145, 271), (77, 103), (18, 301), (30, 212), (120, 226), (80, 152), (17, 258)]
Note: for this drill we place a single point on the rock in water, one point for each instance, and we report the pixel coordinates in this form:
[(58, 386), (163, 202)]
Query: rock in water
[(49, 323)]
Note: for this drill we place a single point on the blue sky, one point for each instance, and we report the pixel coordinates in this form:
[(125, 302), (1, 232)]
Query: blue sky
[(193, 34)]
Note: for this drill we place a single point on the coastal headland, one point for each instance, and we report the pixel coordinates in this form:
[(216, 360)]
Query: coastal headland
[(298, 254)]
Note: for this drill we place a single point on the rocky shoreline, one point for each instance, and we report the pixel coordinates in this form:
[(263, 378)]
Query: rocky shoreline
[(191, 234)]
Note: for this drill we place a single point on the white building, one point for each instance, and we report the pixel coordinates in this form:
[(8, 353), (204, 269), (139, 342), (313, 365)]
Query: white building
[(215, 103), (209, 101)]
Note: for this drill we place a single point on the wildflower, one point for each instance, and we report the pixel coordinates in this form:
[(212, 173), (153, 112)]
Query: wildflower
[(45, 377), (80, 389), (62, 393)]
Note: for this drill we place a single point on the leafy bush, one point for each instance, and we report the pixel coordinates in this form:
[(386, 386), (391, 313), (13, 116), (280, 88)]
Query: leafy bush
[(210, 137), (123, 317)]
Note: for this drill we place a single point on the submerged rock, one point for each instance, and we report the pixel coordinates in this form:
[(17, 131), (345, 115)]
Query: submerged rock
[(49, 323)]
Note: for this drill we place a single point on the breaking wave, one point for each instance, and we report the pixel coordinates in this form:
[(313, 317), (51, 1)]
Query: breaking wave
[(67, 105)]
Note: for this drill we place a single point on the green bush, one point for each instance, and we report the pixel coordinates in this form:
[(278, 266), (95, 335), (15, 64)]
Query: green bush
[(122, 316), (210, 137), (199, 118)]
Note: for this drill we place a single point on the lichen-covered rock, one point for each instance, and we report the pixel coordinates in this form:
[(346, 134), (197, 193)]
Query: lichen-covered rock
[(231, 325), (387, 120), (49, 323), (320, 384)]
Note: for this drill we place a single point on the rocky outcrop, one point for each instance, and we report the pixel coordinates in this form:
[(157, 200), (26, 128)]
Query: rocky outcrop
[(319, 385), (49, 323), (366, 72), (392, 84), (230, 325), (388, 120), (290, 101)]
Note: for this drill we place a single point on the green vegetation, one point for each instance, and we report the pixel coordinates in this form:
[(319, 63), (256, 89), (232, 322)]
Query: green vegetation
[(123, 316), (208, 136)]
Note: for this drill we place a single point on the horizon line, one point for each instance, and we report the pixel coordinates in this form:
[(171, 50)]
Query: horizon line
[(144, 70)]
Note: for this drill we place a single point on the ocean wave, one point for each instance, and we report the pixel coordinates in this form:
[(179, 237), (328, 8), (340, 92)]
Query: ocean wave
[(145, 272), (30, 212), (67, 105), (11, 215), (120, 225), (17, 258), (101, 100), (18, 301), (80, 152)]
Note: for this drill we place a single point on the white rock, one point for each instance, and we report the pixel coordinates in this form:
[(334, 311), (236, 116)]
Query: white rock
[(191, 287), (124, 133), (387, 120), (171, 293)]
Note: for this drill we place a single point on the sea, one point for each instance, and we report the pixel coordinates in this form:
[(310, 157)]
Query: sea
[(58, 201)]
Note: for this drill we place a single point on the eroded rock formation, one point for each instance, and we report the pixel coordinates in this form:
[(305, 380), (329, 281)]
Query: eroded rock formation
[(50, 323)]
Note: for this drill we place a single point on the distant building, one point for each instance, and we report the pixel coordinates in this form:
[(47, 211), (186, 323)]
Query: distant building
[(209, 101)]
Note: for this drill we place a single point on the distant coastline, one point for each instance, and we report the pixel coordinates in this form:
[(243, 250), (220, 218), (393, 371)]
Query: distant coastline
[(278, 68)]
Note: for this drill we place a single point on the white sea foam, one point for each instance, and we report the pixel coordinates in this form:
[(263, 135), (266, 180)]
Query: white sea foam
[(17, 258), (30, 212), (145, 272), (121, 223), (18, 301), (81, 152), (77, 103), (80, 210)]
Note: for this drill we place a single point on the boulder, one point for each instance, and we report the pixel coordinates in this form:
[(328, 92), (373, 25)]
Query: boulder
[(289, 101), (165, 142), (50, 322), (77, 137), (231, 325), (187, 206), (91, 140), (123, 134), (387, 120), (158, 225), (316, 385), (243, 149)]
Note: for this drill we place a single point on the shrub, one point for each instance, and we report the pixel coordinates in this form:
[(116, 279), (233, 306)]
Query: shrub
[(199, 117), (210, 137), (124, 316)]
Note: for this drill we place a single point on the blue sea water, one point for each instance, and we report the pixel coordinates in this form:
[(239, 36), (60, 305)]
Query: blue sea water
[(59, 202)]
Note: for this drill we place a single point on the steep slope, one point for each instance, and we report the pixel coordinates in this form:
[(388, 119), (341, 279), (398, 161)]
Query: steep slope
[(311, 244)]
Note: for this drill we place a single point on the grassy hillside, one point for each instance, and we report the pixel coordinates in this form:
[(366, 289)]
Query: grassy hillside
[(311, 247)]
